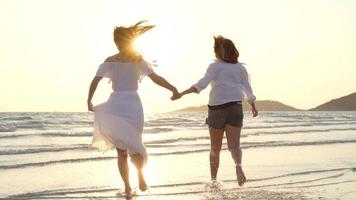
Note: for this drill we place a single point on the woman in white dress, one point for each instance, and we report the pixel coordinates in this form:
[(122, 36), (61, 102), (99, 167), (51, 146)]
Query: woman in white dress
[(229, 86), (118, 122)]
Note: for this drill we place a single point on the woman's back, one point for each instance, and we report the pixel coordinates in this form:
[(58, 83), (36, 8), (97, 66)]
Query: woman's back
[(229, 82), (228, 74), (124, 75)]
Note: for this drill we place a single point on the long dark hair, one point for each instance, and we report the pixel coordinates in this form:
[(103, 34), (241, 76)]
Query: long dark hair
[(231, 54)]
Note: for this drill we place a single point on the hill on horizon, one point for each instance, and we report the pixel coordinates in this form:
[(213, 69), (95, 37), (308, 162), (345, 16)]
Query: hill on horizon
[(345, 103), (262, 105)]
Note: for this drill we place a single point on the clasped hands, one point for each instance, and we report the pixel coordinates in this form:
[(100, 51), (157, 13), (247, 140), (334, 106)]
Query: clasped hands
[(176, 95)]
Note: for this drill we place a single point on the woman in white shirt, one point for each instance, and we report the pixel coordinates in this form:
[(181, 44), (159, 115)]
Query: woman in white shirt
[(118, 123), (229, 86)]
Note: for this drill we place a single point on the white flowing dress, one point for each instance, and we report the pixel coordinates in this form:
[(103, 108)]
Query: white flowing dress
[(118, 122)]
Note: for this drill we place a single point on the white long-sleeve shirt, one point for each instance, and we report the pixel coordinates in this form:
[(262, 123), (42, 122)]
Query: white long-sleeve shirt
[(229, 82)]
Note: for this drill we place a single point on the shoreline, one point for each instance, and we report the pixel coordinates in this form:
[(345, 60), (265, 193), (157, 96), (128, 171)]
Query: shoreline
[(284, 177)]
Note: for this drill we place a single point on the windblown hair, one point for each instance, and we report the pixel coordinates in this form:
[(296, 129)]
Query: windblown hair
[(125, 36), (231, 54)]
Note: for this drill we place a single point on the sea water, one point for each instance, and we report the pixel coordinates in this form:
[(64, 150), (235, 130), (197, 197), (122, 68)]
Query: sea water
[(48, 155)]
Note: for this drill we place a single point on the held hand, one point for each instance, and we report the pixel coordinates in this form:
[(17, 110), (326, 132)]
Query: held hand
[(176, 95), (90, 107), (254, 112)]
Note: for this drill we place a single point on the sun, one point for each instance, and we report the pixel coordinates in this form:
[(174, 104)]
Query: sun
[(166, 46), (148, 45), (157, 44)]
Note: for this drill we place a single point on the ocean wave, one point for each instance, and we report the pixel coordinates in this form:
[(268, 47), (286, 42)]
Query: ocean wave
[(178, 124), (3, 136), (274, 132), (284, 184), (249, 145), (65, 133), (75, 160), (246, 145), (166, 127), (167, 124), (169, 119), (177, 145), (50, 134), (193, 148), (30, 125), (41, 164), (67, 122), (172, 121), (179, 152), (39, 123), (43, 149), (158, 130), (309, 124), (68, 134), (7, 128), (285, 144), (16, 118), (164, 141), (324, 184), (328, 115), (305, 173)]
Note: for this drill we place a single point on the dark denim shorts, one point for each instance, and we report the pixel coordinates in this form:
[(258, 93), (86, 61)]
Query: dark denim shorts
[(230, 113)]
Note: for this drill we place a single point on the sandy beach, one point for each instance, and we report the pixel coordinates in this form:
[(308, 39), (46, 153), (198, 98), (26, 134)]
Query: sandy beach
[(286, 176)]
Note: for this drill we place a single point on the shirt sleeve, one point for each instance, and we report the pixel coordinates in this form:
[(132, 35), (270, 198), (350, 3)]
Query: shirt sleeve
[(145, 69), (247, 90), (205, 81), (104, 70)]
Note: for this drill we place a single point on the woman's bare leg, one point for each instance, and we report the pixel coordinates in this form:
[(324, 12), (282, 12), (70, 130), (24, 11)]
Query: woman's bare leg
[(123, 169), (233, 143), (138, 161), (216, 137)]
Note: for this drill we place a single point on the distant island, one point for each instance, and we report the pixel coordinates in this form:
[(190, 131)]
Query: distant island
[(345, 103), (263, 105)]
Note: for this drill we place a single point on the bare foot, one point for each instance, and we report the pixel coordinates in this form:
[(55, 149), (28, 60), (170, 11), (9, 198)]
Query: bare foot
[(142, 183), (128, 191), (241, 178)]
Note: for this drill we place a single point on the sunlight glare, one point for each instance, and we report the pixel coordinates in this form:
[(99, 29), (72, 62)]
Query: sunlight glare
[(157, 45)]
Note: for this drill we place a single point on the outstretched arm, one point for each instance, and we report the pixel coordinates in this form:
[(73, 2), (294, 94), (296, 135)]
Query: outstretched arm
[(202, 83), (92, 88), (187, 91), (190, 90), (159, 80)]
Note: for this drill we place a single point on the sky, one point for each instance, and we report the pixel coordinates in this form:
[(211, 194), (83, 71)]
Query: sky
[(301, 53)]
